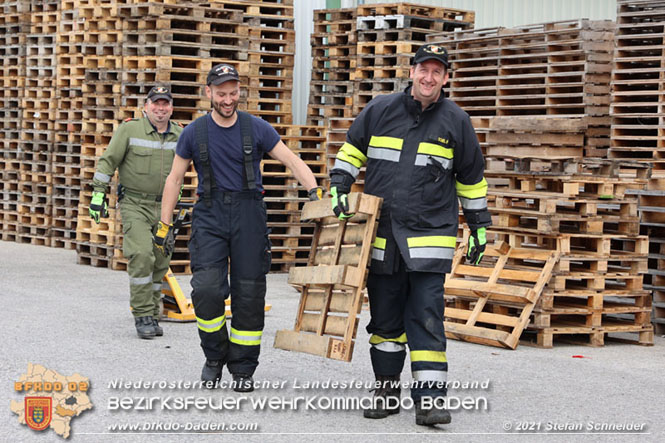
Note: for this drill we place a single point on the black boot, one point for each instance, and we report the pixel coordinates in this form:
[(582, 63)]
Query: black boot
[(386, 398), (428, 416), (211, 373), (158, 329), (243, 383), (144, 327)]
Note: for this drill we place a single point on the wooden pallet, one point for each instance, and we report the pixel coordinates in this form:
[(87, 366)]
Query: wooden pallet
[(333, 282), (479, 298)]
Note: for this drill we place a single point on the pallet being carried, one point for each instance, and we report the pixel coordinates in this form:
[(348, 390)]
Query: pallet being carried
[(332, 283)]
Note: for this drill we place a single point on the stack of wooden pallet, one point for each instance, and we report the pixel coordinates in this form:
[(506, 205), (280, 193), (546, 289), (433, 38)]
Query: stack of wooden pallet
[(102, 113), (333, 64), (90, 64), (14, 26), (637, 129), (573, 227), (582, 209), (37, 125), (559, 68), (359, 53), (388, 37), (177, 44), (284, 196), (271, 59), (66, 161)]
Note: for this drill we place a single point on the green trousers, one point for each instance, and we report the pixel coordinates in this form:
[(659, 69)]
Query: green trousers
[(147, 265)]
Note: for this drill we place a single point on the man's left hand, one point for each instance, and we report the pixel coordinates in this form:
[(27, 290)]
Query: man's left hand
[(477, 242)]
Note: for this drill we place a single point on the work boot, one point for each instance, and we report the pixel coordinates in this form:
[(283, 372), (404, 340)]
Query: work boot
[(243, 383), (429, 416), (144, 327), (386, 398), (158, 329), (211, 373)]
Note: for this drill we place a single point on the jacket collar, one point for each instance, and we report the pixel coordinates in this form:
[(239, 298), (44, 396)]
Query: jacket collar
[(415, 107), (149, 127)]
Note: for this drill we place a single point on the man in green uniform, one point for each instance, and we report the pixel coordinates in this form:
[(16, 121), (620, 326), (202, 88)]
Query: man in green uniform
[(142, 149)]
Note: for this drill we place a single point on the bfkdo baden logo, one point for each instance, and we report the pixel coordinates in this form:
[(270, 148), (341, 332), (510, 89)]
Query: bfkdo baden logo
[(51, 399), (38, 412)]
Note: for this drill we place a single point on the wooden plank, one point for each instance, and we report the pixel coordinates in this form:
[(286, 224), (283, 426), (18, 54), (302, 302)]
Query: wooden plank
[(481, 288), (335, 325), (466, 330), (538, 124), (485, 317), (505, 274), (323, 208), (326, 275), (339, 302), (525, 138), (319, 275), (302, 342)]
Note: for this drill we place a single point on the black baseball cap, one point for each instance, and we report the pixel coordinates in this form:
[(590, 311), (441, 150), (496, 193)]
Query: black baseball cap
[(222, 73), (158, 92), (432, 51)]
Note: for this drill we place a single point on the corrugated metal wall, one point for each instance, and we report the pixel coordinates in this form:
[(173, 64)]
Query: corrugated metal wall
[(489, 13)]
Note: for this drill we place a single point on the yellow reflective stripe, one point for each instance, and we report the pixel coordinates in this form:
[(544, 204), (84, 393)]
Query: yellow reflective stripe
[(441, 241), (213, 325), (379, 243), (478, 190), (437, 150), (376, 339), (435, 356), (351, 154), (250, 333), (341, 155), (246, 338), (386, 142)]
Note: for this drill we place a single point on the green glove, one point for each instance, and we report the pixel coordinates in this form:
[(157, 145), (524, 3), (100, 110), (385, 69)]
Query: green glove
[(340, 204), (477, 242), (315, 193), (99, 206), (164, 238)]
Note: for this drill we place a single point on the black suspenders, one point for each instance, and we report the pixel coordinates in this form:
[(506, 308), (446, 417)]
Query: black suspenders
[(201, 136), (247, 142)]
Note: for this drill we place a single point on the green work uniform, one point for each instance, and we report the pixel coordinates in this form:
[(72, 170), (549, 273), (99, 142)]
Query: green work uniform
[(143, 158)]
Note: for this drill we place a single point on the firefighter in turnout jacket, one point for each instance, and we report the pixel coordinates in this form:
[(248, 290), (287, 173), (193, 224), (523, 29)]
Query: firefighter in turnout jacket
[(228, 223), (142, 149), (421, 155)]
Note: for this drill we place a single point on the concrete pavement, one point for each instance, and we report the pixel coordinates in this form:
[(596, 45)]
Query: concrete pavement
[(75, 319)]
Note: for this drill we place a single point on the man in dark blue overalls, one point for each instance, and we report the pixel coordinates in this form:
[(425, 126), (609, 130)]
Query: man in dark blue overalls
[(228, 222)]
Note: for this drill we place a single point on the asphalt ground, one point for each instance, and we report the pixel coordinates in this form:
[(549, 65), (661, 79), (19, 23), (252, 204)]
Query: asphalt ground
[(75, 319)]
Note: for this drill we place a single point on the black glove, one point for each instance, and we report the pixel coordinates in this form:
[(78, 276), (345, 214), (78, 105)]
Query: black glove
[(315, 193), (340, 204), (477, 242)]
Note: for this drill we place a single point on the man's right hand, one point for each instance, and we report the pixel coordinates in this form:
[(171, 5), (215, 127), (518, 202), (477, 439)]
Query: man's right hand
[(99, 206), (164, 238), (340, 204)]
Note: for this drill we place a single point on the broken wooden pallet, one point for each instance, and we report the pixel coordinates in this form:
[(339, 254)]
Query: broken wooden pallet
[(332, 283), (481, 300)]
